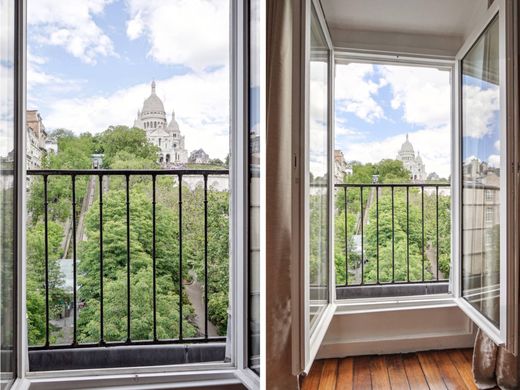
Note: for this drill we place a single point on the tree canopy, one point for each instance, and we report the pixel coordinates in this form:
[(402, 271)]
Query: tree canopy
[(124, 148)]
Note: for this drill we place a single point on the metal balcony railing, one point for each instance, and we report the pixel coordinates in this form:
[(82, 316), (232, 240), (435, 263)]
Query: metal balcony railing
[(100, 174), (361, 207)]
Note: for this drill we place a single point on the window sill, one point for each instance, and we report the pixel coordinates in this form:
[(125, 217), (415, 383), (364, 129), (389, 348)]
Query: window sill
[(372, 305), (224, 379)]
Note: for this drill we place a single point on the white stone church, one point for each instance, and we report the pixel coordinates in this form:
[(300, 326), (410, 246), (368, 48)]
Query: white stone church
[(411, 162), (167, 136)]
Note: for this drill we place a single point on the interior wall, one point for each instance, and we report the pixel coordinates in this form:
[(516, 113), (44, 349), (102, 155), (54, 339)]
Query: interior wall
[(393, 42), (427, 43), (397, 331)]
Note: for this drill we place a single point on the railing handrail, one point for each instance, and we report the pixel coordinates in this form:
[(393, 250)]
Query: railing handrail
[(203, 174), (122, 172), (364, 205)]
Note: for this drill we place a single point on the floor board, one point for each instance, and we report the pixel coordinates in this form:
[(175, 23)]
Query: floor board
[(345, 374), (443, 370)]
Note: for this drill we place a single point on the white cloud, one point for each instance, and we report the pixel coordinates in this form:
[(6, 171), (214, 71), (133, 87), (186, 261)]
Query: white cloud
[(424, 96), (431, 143), (423, 93), (7, 30), (479, 109), (356, 93), (341, 130), (70, 24), (318, 92), (497, 144), (6, 109), (201, 103), (35, 75), (194, 33), (135, 27), (494, 160)]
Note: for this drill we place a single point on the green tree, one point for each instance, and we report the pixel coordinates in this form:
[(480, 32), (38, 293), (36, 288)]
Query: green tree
[(36, 280), (125, 142)]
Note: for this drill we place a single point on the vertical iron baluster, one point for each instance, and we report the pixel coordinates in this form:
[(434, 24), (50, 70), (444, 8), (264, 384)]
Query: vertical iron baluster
[(154, 281), (101, 265), (393, 237), (46, 232), (362, 254), (206, 289), (74, 259), (180, 256), (437, 226), (422, 229), (408, 234), (377, 232), (346, 237), (128, 318)]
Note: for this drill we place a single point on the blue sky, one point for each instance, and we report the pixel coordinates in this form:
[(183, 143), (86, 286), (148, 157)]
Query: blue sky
[(91, 63), (377, 105)]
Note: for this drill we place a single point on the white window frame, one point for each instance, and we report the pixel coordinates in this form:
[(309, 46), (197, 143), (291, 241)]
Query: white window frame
[(200, 374), (509, 284), (506, 334), (367, 305), (306, 341)]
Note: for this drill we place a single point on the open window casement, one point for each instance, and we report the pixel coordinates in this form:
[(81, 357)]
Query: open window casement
[(484, 279), (16, 370), (315, 290), (484, 258)]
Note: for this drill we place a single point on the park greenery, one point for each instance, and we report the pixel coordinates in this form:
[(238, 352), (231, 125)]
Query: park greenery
[(398, 246), (124, 148)]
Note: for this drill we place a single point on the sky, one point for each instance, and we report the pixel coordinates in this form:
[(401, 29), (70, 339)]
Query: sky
[(91, 63), (377, 105)]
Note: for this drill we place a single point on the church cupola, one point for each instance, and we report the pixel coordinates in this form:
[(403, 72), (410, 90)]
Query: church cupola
[(173, 125), (153, 106)]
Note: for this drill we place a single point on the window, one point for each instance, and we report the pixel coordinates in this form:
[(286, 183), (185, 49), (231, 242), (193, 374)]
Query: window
[(8, 196), (481, 149), (490, 197), (318, 171), (392, 170), (145, 257), (255, 196), (490, 216)]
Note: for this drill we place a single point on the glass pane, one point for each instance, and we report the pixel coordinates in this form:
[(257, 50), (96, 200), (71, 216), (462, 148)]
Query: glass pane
[(254, 187), (7, 197), (318, 171), (481, 155), (130, 257), (392, 167)]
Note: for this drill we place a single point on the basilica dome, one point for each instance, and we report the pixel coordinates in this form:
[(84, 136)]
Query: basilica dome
[(407, 147), (153, 104)]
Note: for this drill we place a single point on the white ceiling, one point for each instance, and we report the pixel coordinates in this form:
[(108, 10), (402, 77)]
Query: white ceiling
[(429, 17)]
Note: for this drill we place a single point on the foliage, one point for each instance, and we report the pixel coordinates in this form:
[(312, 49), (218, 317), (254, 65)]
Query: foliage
[(126, 148), (393, 242), (58, 296), (388, 171), (120, 143)]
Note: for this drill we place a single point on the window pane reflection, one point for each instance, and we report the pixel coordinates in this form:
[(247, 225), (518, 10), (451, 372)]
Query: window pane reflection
[(481, 151), (254, 188), (7, 196), (318, 172)]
